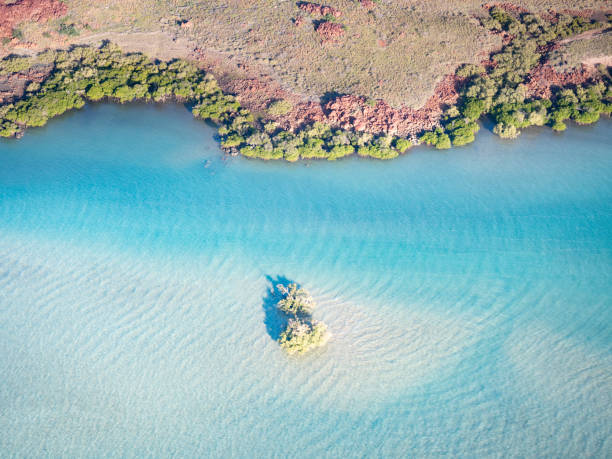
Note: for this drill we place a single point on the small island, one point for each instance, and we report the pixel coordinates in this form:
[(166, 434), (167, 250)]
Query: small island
[(302, 333)]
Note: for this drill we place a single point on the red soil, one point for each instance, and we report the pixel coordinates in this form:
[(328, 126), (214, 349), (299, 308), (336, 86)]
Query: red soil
[(369, 4), (355, 112), (330, 31), (13, 86), (509, 7), (544, 77), (253, 93), (587, 14), (28, 10), (321, 10)]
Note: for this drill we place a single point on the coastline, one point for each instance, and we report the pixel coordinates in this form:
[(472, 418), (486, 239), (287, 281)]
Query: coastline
[(515, 87)]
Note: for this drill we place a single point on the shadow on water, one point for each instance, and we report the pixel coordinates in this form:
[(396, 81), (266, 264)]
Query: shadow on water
[(275, 320), (487, 123)]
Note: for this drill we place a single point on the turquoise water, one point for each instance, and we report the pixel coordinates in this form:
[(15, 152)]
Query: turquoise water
[(468, 293)]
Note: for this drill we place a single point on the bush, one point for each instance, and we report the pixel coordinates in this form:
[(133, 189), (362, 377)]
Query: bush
[(67, 29), (124, 94), (429, 138), (280, 107), (95, 92), (95, 73), (469, 70), (302, 332), (402, 145), (312, 149), (462, 136), (300, 336), (340, 151), (462, 132), (13, 64), (473, 108), (232, 140), (296, 301), (587, 117), (377, 152), (502, 90), (501, 17), (17, 34), (291, 155), (443, 142), (8, 129), (506, 131), (559, 126), (261, 152)]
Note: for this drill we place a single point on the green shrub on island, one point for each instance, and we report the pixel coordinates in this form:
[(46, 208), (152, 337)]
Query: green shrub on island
[(296, 301), (302, 333), (300, 337)]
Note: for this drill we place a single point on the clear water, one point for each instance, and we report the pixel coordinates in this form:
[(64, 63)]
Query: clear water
[(468, 292)]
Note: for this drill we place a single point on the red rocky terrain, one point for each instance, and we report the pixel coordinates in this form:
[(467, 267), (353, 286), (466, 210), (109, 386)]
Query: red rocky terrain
[(319, 10), (11, 14), (330, 31), (544, 77)]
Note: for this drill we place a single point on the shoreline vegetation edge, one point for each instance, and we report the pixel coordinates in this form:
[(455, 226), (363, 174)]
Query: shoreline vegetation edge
[(65, 80)]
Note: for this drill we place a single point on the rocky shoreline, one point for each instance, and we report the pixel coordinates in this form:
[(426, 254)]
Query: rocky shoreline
[(516, 85)]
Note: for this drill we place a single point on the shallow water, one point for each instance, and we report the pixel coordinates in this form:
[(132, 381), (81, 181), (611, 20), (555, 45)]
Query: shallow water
[(468, 293)]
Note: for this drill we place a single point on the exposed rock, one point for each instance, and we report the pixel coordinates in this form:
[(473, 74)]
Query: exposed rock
[(320, 10), (544, 77), (356, 112), (13, 86), (359, 113), (330, 31), (369, 4), (253, 93), (12, 14), (586, 13)]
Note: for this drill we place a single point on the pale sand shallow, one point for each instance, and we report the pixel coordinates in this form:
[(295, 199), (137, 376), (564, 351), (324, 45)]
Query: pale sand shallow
[(468, 294)]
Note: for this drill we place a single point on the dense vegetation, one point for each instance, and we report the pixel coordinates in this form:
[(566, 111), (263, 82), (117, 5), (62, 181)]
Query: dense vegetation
[(92, 74), (316, 141), (302, 333), (500, 91)]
